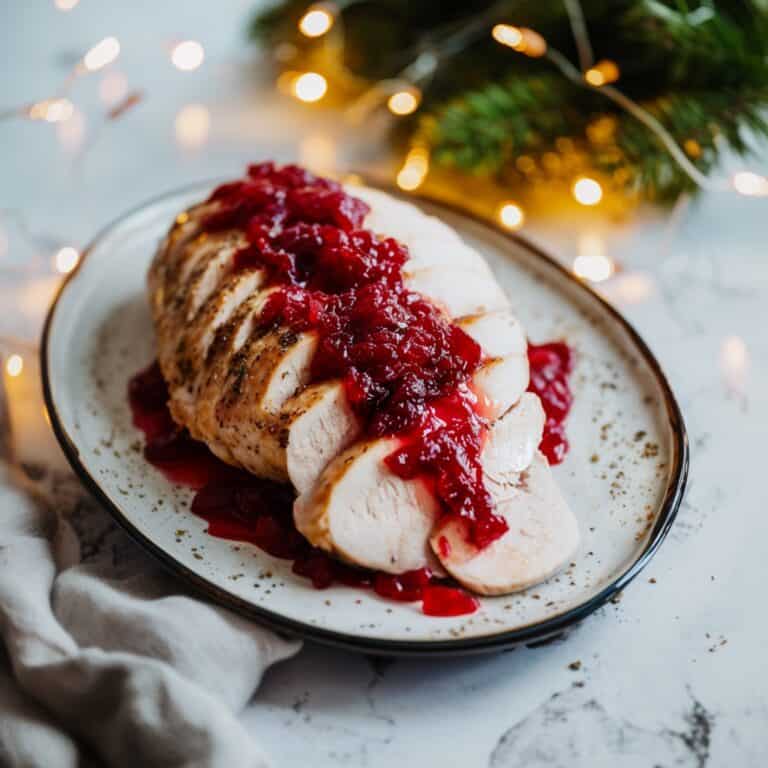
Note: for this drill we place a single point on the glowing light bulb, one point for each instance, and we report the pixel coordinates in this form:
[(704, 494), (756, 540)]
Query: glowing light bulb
[(310, 87), (14, 365), (511, 215), (750, 184), (187, 55), (103, 53), (592, 262), (65, 259), (414, 170), (507, 35), (65, 5), (534, 44), (316, 21), (604, 72), (192, 126), (734, 363), (587, 191), (52, 110), (404, 102)]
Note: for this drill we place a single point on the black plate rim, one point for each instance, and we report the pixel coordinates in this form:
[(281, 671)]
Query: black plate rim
[(537, 632)]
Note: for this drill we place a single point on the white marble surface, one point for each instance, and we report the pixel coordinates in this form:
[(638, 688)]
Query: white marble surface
[(675, 674)]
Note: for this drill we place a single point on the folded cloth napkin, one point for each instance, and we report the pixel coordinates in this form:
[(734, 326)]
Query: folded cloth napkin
[(109, 661)]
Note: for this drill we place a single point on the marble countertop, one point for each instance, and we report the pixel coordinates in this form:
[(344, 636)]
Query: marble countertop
[(673, 674)]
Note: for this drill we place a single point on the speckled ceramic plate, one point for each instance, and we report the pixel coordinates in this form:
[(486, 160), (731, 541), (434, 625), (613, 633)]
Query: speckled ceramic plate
[(624, 476)]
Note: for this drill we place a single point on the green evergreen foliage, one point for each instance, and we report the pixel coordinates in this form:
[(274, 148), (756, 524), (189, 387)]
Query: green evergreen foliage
[(701, 68)]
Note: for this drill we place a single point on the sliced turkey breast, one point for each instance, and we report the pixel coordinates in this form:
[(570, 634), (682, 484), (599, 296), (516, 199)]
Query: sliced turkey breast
[(543, 536), (187, 361), (431, 242), (362, 512), (498, 333), (458, 290)]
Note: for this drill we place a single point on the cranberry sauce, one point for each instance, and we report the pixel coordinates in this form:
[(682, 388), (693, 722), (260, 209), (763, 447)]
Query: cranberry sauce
[(405, 367), (550, 365), (239, 506)]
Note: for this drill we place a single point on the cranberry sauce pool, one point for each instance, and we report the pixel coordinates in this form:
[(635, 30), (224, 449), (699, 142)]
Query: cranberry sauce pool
[(242, 507), (405, 367)]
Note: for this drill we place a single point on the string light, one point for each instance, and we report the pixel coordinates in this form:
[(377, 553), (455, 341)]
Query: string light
[(316, 21), (520, 39), (65, 259), (65, 5), (734, 363), (507, 35), (592, 262), (602, 73), (192, 126), (103, 53), (415, 168), (511, 215), (692, 147), (14, 365), (187, 55), (404, 102), (309, 87), (587, 191), (51, 110), (750, 184)]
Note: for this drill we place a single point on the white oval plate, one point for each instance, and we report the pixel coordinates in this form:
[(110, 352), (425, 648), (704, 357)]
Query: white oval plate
[(624, 476)]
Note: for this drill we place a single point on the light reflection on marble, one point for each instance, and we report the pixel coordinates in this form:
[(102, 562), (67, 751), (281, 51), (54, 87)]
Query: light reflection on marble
[(675, 673)]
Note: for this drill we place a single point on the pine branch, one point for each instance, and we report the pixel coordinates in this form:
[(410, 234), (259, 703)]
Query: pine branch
[(700, 68)]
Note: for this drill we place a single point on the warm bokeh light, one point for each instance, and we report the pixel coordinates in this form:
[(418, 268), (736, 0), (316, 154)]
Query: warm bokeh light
[(692, 148), (404, 102), (592, 262), (511, 215), (65, 259), (508, 35), (113, 87), (521, 39), (750, 184), (414, 170), (316, 22), (103, 53), (14, 365), (310, 87), (192, 126), (187, 55), (734, 363), (587, 191), (65, 5), (602, 73), (52, 110)]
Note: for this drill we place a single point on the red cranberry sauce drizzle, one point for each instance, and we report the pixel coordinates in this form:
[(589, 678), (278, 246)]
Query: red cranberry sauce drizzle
[(405, 367), (239, 506), (550, 366)]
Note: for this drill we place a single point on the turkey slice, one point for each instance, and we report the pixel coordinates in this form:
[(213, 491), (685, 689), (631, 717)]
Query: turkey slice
[(542, 537)]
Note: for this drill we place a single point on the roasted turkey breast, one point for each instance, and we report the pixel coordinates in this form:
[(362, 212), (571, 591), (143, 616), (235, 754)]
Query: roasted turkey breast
[(249, 391)]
